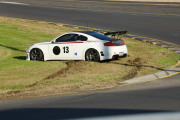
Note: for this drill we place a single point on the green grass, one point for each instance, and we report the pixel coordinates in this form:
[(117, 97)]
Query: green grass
[(16, 35), (166, 60), (14, 40), (12, 87)]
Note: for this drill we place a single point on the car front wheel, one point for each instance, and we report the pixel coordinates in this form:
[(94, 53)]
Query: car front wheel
[(36, 54)]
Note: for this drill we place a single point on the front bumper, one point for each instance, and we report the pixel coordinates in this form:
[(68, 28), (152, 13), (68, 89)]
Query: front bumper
[(27, 56)]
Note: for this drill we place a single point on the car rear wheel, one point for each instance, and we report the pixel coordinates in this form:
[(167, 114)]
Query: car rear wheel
[(36, 54), (92, 55), (125, 55)]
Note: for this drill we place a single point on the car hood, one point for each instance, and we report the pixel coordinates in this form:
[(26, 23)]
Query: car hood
[(37, 44), (43, 43)]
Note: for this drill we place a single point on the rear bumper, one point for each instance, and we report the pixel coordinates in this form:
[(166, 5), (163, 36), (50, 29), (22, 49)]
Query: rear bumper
[(114, 51)]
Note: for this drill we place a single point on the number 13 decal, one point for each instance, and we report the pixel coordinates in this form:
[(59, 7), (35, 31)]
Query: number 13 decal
[(66, 49)]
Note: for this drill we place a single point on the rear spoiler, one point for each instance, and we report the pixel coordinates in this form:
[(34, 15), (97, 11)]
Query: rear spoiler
[(116, 34)]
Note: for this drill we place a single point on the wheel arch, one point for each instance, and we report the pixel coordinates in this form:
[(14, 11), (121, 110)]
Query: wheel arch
[(85, 51), (96, 48), (42, 50)]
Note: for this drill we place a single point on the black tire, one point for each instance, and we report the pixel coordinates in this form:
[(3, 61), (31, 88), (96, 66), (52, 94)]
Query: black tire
[(36, 55), (92, 55), (125, 55), (116, 57)]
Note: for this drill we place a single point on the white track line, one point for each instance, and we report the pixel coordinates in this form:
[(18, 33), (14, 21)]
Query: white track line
[(15, 3)]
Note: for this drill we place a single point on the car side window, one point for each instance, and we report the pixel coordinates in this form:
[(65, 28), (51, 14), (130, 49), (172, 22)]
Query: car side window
[(82, 38), (67, 38)]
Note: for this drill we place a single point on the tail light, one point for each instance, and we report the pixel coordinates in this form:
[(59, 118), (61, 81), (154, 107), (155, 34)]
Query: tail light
[(123, 43), (115, 43), (109, 44)]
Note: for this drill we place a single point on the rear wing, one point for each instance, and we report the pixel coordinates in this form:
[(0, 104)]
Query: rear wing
[(116, 34)]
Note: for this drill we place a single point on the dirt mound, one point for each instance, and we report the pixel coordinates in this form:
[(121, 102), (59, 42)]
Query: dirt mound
[(137, 64)]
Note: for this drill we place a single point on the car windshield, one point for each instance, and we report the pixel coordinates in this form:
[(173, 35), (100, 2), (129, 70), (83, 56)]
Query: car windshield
[(100, 36)]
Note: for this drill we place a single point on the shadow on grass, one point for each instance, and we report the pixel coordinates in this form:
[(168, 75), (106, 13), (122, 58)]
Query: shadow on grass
[(125, 64), (166, 70), (20, 57), (12, 48), (131, 65), (137, 65)]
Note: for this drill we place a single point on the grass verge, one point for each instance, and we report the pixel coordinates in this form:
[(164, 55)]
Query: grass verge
[(20, 78)]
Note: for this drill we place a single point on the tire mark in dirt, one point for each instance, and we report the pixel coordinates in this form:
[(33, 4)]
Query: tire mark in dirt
[(69, 64)]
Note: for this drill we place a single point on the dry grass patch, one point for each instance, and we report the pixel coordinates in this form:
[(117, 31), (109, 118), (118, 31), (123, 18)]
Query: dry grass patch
[(4, 53)]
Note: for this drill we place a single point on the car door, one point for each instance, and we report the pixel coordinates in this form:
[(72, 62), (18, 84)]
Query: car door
[(79, 46), (63, 47)]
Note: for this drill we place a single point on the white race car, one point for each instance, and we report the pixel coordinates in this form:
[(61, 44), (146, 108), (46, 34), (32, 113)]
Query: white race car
[(80, 45)]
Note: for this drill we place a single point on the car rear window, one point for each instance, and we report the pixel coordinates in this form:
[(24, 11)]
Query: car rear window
[(99, 36)]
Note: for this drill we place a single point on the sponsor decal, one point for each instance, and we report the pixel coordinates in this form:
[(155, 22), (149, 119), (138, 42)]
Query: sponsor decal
[(75, 54), (93, 41)]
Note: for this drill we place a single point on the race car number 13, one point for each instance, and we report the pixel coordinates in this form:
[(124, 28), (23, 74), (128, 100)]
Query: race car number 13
[(66, 49)]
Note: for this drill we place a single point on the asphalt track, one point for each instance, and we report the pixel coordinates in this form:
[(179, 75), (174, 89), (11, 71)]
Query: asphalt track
[(155, 97), (160, 96), (151, 21)]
